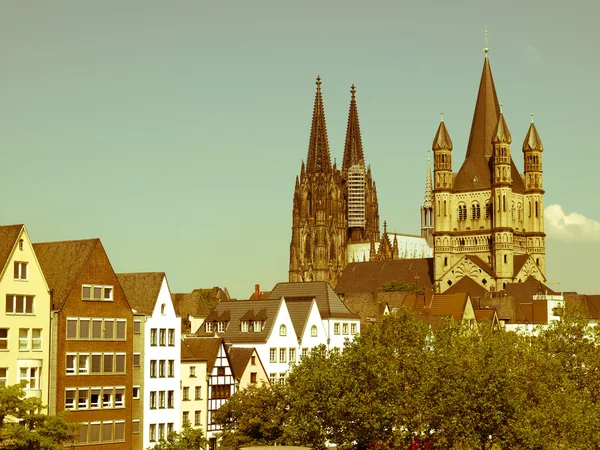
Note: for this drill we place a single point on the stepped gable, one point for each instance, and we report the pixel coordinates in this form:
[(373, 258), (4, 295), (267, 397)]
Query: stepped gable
[(363, 277), (8, 239), (61, 263), (328, 302), (141, 289)]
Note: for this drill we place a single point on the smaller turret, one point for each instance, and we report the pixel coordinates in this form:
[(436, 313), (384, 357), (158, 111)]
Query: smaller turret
[(442, 158), (532, 153)]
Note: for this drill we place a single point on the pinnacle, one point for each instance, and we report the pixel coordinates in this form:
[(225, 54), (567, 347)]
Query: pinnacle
[(353, 150), (532, 140), (442, 139), (318, 160)]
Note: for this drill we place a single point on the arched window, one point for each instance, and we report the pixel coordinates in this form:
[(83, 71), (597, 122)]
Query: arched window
[(504, 203), (282, 330), (313, 331), (475, 211), (444, 207), (309, 205), (536, 209), (162, 309), (488, 210), (462, 212), (445, 261)]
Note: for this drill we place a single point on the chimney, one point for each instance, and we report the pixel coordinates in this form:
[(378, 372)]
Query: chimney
[(257, 292)]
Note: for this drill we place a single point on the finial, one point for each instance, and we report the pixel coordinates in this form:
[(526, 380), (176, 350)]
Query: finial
[(531, 117), (352, 90), (500, 108), (442, 113), (384, 227), (318, 81), (485, 41)]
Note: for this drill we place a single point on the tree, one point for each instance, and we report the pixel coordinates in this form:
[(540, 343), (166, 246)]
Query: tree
[(23, 427), (189, 438), (402, 286)]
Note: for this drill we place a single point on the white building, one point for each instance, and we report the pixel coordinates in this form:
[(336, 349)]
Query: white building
[(148, 293), (294, 319), (409, 247)]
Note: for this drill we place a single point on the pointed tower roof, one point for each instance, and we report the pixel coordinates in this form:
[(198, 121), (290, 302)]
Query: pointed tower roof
[(502, 134), (532, 140), (318, 160), (475, 172), (442, 140), (428, 185), (353, 150)]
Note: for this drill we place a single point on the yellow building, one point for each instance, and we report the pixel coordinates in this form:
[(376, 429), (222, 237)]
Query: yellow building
[(488, 217), (24, 316)]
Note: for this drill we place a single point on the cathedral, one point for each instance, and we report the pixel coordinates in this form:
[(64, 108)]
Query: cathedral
[(484, 223), (333, 207)]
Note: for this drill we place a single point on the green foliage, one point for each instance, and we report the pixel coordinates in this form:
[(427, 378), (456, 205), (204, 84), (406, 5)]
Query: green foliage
[(402, 286), (398, 386), (189, 438), (23, 427)]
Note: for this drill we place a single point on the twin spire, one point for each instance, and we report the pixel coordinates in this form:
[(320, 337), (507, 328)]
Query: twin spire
[(319, 159)]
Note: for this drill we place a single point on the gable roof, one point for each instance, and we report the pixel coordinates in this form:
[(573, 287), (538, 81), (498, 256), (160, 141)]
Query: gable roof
[(518, 263), (481, 264), (369, 276), (8, 239), (299, 309), (468, 285), (447, 305), (328, 302), (192, 304), (141, 289), (61, 263), (201, 348), (239, 358), (525, 291)]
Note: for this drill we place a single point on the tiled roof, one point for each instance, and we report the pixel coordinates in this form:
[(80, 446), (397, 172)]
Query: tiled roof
[(239, 358), (141, 289), (369, 276), (468, 285), (328, 302), (62, 262), (299, 309), (447, 305), (481, 264), (192, 304), (518, 263), (442, 139), (525, 291), (532, 140), (483, 315), (201, 348), (8, 238)]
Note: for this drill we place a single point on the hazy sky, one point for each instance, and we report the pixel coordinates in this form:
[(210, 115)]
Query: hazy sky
[(174, 130)]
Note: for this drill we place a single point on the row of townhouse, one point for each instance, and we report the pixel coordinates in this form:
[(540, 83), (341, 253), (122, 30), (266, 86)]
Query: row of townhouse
[(106, 346)]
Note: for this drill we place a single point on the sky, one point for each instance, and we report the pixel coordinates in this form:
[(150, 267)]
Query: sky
[(174, 131)]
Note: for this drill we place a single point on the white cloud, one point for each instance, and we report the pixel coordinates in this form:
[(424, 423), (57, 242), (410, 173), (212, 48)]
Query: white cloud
[(531, 54), (570, 227)]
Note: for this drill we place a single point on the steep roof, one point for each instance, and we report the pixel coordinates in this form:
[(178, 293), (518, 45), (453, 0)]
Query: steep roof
[(481, 264), (61, 263), (468, 285), (141, 289), (201, 348), (328, 302), (532, 140), (8, 238), (525, 291), (502, 134), (518, 263), (353, 149), (369, 276), (475, 171), (447, 305), (299, 308), (318, 160), (239, 358), (442, 140), (191, 304)]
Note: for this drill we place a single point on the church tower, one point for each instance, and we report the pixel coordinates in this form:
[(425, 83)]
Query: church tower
[(319, 224), (488, 217)]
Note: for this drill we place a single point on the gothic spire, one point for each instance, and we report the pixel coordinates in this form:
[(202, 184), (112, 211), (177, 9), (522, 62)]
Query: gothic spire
[(532, 139), (428, 185), (318, 160), (353, 151), (442, 140), (502, 134)]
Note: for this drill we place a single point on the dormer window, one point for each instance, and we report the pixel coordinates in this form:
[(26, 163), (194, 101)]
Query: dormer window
[(209, 327), (282, 330), (258, 326), (245, 326), (221, 327)]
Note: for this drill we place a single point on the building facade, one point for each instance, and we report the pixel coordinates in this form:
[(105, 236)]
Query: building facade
[(488, 218), (24, 315), (332, 207)]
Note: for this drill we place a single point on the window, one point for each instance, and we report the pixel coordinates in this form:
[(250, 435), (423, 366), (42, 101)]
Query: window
[(353, 328), (107, 398), (186, 418), (152, 399), (304, 352), (163, 337), (209, 327), (120, 397), (19, 304), (253, 377), (462, 212), (82, 434), (192, 371), (170, 428), (336, 328), (120, 363), (107, 432), (292, 355), (31, 376), (135, 426), (171, 337), (221, 371), (253, 360), (162, 309), (97, 293), (109, 329), (220, 391), (84, 328), (488, 210), (505, 259), (153, 368), (273, 355), (120, 429), (70, 399), (137, 360), (3, 338), (20, 270), (94, 432), (282, 330), (170, 399), (282, 378), (82, 398), (97, 329), (95, 398), (345, 328), (313, 331), (198, 393), (152, 432), (153, 337), (161, 399), (161, 431), (272, 378), (186, 393), (135, 392), (171, 368), (197, 418), (97, 363), (23, 338), (282, 354), (108, 362), (137, 327), (71, 328), (221, 327), (21, 244), (121, 327), (475, 211), (83, 361), (161, 368), (244, 326)]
